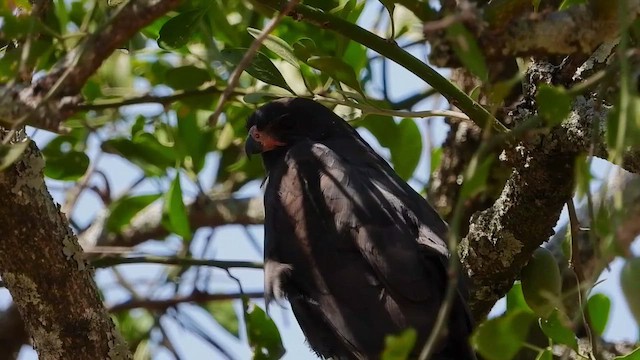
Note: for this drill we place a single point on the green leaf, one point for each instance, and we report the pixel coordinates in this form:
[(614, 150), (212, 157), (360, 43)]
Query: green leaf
[(502, 337), (515, 299), (176, 218), (186, 77), (398, 347), (569, 3), (144, 151), (124, 209), (403, 140), (10, 153), (557, 328), (195, 138), (278, 46), (70, 165), (598, 307), (630, 283), (304, 48), (134, 324), (227, 134), (476, 180), (634, 355), (467, 50), (263, 334), (435, 159), (406, 153), (177, 32), (583, 175), (545, 355), (224, 313), (337, 69), (554, 104), (260, 68), (541, 282)]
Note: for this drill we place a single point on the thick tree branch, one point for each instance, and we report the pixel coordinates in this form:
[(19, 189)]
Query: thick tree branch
[(502, 237), (52, 99), (42, 265), (579, 29)]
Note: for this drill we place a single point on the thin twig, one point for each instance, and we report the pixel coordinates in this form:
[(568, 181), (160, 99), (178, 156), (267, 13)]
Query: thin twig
[(72, 196), (246, 60), (576, 265), (197, 297), (405, 114), (163, 100), (108, 261)]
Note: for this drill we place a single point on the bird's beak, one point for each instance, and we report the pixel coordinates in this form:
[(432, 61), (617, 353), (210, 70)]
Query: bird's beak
[(252, 147)]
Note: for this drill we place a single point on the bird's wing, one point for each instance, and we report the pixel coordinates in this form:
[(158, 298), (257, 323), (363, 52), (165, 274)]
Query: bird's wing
[(358, 204)]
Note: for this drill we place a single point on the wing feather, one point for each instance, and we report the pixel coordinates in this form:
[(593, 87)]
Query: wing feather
[(354, 241)]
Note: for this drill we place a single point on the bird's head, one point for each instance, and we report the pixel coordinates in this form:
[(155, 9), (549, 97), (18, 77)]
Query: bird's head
[(284, 122)]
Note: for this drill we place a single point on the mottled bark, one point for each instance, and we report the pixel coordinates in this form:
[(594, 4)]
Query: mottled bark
[(43, 267)]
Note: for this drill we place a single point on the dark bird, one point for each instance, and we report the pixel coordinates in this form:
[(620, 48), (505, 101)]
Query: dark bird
[(357, 252)]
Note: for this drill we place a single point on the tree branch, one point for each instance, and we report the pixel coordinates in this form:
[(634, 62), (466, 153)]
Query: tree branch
[(392, 51), (163, 100), (204, 212), (578, 29), (108, 261), (52, 99), (41, 264), (196, 297)]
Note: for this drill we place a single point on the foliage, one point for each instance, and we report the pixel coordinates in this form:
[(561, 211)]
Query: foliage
[(144, 139)]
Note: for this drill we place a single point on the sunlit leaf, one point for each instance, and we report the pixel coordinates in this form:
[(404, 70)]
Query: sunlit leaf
[(403, 140), (144, 151), (263, 334), (476, 181), (225, 314), (554, 104), (337, 69), (502, 337), (178, 30), (435, 159), (556, 327), (405, 156), (467, 50), (227, 134), (398, 347), (124, 209), (195, 139), (634, 355), (70, 165), (515, 299), (304, 48), (541, 282), (278, 46), (10, 153), (630, 282), (569, 3), (545, 355), (177, 219), (260, 67), (598, 307)]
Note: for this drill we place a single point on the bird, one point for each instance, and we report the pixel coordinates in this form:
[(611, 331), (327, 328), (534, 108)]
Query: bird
[(356, 251)]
